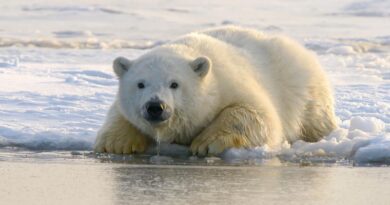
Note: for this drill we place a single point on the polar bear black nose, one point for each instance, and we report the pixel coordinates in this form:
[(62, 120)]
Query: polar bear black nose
[(157, 111)]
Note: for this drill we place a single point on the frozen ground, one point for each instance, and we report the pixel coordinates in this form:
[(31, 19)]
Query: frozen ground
[(56, 82)]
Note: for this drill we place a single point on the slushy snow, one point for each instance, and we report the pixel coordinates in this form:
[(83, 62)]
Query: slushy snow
[(56, 81)]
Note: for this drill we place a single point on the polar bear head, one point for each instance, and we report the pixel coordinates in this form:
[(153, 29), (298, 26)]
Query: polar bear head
[(161, 93)]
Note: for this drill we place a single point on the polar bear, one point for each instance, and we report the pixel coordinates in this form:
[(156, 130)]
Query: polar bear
[(216, 89)]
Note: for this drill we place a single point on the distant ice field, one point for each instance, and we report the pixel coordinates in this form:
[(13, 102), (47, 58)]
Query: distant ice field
[(56, 81)]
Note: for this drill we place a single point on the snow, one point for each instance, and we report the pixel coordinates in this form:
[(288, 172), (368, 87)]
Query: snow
[(56, 83), (371, 124)]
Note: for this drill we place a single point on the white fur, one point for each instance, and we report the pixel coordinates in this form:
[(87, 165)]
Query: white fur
[(272, 75)]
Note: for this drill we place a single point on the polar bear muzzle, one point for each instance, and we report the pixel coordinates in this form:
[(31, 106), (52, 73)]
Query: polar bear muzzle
[(156, 111)]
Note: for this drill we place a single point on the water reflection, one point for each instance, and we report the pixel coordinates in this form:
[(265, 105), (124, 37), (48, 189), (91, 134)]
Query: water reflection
[(217, 185), (86, 181)]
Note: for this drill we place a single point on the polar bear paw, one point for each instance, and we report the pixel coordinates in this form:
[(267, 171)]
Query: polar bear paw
[(120, 144), (238, 126), (213, 145)]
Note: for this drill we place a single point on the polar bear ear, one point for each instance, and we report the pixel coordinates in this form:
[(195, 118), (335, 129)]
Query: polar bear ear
[(121, 65), (201, 66)]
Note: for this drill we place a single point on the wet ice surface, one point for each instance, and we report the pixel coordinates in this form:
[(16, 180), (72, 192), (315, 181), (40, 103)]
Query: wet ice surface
[(56, 83)]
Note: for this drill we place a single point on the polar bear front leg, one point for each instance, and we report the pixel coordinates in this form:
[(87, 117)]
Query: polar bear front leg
[(119, 136), (238, 126)]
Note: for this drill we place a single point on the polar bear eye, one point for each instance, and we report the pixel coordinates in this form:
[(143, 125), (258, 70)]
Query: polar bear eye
[(141, 85), (174, 85)]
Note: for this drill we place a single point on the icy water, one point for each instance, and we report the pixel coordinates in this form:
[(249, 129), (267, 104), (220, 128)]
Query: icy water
[(63, 178)]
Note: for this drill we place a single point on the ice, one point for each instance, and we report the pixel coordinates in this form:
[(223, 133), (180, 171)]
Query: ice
[(376, 151), (87, 43), (371, 124), (342, 50), (56, 81), (8, 62), (70, 9), (375, 8), (343, 144)]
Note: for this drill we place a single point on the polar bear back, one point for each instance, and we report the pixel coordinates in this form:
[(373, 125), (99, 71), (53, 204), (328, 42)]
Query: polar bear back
[(272, 69)]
